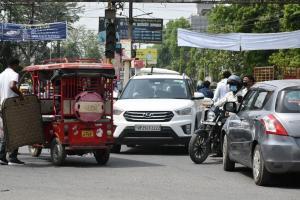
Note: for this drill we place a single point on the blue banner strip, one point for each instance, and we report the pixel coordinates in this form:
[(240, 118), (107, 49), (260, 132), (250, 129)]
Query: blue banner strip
[(32, 32)]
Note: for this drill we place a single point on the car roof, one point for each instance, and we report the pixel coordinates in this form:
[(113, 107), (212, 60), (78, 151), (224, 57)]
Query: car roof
[(279, 84), (160, 76), (154, 70)]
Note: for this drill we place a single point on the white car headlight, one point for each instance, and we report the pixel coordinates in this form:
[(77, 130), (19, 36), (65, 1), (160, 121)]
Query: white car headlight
[(117, 111), (185, 111)]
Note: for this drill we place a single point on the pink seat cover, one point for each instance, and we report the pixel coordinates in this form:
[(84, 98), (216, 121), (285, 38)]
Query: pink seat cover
[(88, 106)]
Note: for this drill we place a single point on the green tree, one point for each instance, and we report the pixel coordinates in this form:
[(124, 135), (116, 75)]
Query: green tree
[(44, 12), (289, 22), (260, 18), (181, 59), (82, 43)]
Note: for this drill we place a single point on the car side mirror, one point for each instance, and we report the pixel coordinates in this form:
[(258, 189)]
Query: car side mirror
[(230, 107), (198, 96)]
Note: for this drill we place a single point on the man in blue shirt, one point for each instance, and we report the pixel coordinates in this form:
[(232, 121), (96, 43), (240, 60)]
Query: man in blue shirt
[(205, 90)]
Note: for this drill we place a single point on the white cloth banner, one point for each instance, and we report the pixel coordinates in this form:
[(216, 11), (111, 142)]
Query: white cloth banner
[(239, 41), (266, 41), (209, 41)]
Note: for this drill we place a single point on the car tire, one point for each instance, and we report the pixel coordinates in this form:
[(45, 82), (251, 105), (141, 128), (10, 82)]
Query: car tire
[(58, 152), (228, 165), (261, 175), (199, 148), (102, 156), (35, 151), (116, 148)]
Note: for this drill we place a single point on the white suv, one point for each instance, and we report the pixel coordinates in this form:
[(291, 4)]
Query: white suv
[(156, 109)]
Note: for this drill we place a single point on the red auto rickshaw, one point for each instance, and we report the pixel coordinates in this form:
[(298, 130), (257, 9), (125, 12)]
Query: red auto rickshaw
[(76, 106)]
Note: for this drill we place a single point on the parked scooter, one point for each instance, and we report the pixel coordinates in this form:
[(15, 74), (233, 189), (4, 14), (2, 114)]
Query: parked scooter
[(207, 139)]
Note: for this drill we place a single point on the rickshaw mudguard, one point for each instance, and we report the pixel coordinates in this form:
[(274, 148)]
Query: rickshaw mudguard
[(22, 122)]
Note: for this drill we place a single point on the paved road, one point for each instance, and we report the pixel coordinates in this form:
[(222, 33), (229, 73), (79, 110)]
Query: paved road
[(137, 173)]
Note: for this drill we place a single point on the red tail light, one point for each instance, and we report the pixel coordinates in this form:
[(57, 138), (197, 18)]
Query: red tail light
[(273, 126)]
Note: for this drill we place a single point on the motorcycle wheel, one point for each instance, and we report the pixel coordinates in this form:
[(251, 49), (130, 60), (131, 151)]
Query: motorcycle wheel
[(199, 148)]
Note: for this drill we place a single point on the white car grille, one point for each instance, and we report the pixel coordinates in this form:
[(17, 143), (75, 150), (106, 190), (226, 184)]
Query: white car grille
[(148, 116)]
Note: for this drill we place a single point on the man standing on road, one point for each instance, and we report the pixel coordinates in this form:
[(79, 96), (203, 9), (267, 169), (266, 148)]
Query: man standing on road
[(222, 87), (8, 88)]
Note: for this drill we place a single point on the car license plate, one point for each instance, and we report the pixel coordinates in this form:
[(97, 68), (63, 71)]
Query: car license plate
[(147, 128), (87, 133)]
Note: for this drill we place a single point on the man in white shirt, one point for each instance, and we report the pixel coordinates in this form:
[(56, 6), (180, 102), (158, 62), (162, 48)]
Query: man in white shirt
[(235, 84), (222, 87), (8, 88)]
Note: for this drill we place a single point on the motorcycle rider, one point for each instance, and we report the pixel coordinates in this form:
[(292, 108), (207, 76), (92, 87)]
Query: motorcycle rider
[(235, 85)]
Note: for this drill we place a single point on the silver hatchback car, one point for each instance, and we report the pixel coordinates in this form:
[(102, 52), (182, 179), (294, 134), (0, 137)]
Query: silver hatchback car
[(264, 131)]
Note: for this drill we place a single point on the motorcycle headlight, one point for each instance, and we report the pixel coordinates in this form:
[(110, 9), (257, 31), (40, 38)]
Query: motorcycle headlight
[(185, 111), (117, 111), (210, 116)]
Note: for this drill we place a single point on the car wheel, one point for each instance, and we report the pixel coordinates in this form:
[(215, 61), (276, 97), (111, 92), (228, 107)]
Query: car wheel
[(35, 151), (116, 148), (58, 152), (228, 165), (260, 173), (102, 156)]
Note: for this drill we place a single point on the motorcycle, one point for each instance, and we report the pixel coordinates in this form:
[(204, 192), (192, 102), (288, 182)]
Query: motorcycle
[(207, 139)]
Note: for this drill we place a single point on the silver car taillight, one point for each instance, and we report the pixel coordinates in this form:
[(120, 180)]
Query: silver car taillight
[(273, 126)]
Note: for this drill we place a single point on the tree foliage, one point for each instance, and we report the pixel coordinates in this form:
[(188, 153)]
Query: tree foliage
[(39, 12), (259, 18), (81, 43)]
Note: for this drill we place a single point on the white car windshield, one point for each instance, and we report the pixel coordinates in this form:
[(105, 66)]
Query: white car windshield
[(156, 88)]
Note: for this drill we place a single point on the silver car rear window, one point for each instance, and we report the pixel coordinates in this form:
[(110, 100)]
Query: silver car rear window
[(288, 101)]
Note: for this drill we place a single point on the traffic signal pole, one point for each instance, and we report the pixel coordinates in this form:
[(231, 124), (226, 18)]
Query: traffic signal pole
[(110, 44), (127, 63)]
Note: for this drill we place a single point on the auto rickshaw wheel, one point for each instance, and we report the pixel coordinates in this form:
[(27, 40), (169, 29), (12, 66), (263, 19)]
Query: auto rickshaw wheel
[(116, 148), (58, 152), (102, 156), (35, 151)]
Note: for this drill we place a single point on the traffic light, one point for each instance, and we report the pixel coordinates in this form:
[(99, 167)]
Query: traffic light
[(110, 40)]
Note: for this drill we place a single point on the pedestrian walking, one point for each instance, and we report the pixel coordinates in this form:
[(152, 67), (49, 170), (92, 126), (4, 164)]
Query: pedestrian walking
[(8, 88), (222, 87)]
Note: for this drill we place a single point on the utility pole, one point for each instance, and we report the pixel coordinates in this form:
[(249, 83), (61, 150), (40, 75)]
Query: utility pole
[(31, 57), (130, 26), (127, 63)]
